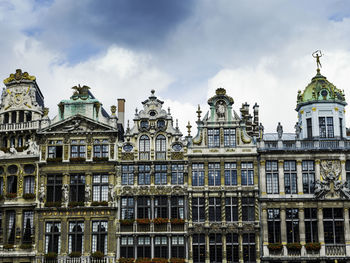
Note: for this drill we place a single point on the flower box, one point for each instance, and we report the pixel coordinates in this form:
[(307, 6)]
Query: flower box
[(75, 204), (100, 159), (126, 260), (159, 260), (143, 221), (276, 247), (8, 246), (143, 260), (97, 254), (126, 222), (177, 221), (294, 246), (11, 195), (313, 246), (102, 203), (53, 204), (160, 220), (50, 255), (28, 196), (54, 160), (75, 254), (77, 159), (177, 260)]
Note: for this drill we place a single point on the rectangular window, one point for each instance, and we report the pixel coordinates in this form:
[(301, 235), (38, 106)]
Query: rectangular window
[(213, 138), (214, 174), (347, 169), (127, 247), (99, 236), (55, 149), (248, 208), (333, 225), (161, 206), (197, 174), (326, 127), (177, 247), (290, 177), (77, 149), (177, 207), (75, 236), (249, 252), (160, 176), (28, 227), (198, 212), (161, 246), (54, 188), (215, 247), (12, 184), (230, 137), (144, 207), (308, 169), (11, 226), (232, 248), (177, 174), (2, 186), (100, 187), (198, 248), (274, 225), (53, 237), (77, 188), (144, 247), (272, 184), (127, 209), (341, 127), (101, 148), (247, 173), (230, 174), (144, 176), (127, 174), (311, 230), (29, 184), (309, 128), (231, 206), (292, 221), (215, 209)]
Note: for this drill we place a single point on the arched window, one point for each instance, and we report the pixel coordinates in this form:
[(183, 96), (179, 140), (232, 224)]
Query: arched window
[(160, 147), (144, 147)]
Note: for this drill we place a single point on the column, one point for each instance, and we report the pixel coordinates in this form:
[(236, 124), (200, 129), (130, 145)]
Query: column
[(302, 230), (281, 176), (265, 234), (19, 220), (64, 237), (262, 177), (347, 230), (87, 237), (299, 177), (10, 117), (222, 172), (224, 252), (343, 171), (257, 246), (17, 116), (240, 247), (223, 209), (206, 172), (206, 208), (118, 246), (190, 249), (320, 231), (239, 173), (25, 116), (317, 170), (152, 246), (284, 230)]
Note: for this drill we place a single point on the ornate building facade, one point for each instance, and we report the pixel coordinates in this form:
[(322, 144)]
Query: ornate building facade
[(85, 187)]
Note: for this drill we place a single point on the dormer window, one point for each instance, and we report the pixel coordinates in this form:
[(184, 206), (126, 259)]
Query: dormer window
[(144, 124), (161, 124), (152, 113), (326, 127)]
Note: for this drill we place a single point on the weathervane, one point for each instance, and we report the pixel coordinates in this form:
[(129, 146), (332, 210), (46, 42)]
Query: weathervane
[(317, 54)]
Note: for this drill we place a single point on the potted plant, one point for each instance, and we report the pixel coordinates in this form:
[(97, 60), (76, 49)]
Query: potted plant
[(275, 247), (8, 246), (313, 246), (77, 159), (177, 260), (28, 196), (160, 220), (294, 246), (177, 221), (159, 260), (143, 260), (100, 159), (101, 203), (143, 221), (53, 204), (25, 246), (11, 195), (54, 160), (1, 197), (75, 204), (98, 254), (75, 254)]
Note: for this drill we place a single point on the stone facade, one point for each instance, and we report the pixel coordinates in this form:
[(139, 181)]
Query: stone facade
[(85, 187)]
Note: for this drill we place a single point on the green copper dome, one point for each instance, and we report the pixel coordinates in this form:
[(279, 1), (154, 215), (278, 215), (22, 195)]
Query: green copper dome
[(320, 90)]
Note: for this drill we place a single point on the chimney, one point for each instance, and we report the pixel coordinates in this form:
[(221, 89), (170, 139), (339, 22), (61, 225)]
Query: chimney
[(121, 111)]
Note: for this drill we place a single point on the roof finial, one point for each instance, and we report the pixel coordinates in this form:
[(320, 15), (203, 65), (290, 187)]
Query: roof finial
[(317, 54), (168, 110), (189, 129), (199, 113), (153, 91), (177, 124)]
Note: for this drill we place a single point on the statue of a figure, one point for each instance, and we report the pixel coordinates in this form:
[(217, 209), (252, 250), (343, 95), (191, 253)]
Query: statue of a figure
[(279, 130), (112, 193), (33, 148), (13, 150), (220, 109), (297, 130), (87, 193), (261, 130), (71, 127), (317, 54), (42, 193), (65, 194)]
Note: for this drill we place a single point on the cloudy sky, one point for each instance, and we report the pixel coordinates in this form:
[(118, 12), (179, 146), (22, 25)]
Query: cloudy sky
[(259, 51)]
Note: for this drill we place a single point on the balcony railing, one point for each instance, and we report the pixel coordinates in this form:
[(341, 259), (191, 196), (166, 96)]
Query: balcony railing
[(304, 145), (30, 125), (76, 260), (335, 250)]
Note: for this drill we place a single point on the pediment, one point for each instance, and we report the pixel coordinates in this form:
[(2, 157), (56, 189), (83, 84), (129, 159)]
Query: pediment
[(78, 124)]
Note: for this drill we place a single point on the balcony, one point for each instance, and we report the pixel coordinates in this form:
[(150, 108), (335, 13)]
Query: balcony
[(77, 260), (21, 126), (335, 250)]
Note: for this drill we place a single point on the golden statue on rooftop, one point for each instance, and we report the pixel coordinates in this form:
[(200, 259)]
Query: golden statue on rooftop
[(317, 54)]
